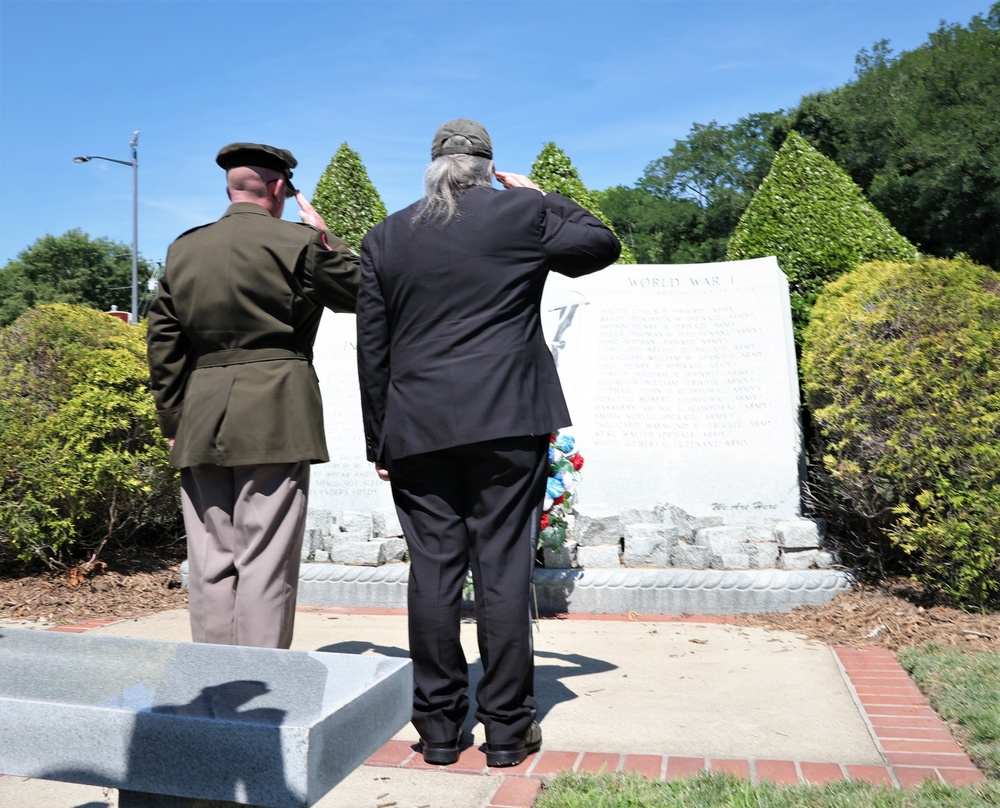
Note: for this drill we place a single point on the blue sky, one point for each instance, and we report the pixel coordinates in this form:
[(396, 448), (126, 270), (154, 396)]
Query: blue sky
[(613, 83)]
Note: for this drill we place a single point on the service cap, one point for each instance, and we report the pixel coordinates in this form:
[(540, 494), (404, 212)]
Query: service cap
[(479, 143), (236, 155)]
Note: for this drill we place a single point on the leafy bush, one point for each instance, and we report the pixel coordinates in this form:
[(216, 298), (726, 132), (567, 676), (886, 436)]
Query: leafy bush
[(82, 465), (346, 198), (901, 368), (553, 171), (812, 217)]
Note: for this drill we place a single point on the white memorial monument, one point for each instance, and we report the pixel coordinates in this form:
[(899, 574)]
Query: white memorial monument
[(683, 388), (680, 379)]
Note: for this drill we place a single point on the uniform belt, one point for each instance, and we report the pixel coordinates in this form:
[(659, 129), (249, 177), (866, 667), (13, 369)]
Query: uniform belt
[(244, 356)]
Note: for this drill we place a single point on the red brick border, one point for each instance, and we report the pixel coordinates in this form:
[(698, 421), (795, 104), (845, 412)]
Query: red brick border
[(915, 743)]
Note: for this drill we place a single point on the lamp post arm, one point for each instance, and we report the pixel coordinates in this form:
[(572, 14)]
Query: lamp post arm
[(134, 145), (89, 157)]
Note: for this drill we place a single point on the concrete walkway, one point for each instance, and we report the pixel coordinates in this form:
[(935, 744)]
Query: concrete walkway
[(661, 695)]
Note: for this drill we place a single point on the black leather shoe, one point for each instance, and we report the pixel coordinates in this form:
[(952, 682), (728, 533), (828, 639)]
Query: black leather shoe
[(510, 754), (441, 754)]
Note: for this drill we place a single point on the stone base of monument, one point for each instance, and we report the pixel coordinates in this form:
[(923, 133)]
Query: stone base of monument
[(601, 591), (683, 591), (659, 560)]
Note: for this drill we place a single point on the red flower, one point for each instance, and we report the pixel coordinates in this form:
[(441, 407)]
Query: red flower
[(545, 521), (577, 461), (558, 500)]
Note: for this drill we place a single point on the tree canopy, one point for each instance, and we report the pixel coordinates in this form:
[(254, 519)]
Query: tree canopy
[(656, 229), (919, 131), (707, 181), (71, 268)]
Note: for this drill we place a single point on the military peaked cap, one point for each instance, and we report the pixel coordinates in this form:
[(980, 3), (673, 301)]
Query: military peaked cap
[(256, 154)]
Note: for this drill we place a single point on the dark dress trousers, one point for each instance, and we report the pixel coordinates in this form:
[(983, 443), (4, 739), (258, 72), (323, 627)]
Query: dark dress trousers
[(459, 396), (230, 344)]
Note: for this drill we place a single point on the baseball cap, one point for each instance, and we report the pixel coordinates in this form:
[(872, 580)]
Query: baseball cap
[(479, 143)]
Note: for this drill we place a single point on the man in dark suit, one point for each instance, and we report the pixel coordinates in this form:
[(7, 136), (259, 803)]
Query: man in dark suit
[(459, 397), (230, 344)]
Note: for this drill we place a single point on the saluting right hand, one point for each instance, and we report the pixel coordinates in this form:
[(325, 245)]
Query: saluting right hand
[(510, 180), (308, 213)]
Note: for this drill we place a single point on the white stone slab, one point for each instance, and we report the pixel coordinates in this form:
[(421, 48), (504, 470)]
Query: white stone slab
[(245, 725)]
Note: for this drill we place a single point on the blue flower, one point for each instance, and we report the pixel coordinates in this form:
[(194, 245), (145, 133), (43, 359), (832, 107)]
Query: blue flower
[(554, 487), (552, 455), (565, 443)]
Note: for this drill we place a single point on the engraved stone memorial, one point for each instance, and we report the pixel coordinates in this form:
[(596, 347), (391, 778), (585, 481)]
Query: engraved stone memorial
[(682, 385), (681, 382)]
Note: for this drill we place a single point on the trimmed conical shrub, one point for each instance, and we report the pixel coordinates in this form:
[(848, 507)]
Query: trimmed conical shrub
[(816, 221), (346, 198)]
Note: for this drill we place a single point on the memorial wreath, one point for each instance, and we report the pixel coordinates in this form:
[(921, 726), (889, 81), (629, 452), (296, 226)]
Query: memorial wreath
[(565, 463)]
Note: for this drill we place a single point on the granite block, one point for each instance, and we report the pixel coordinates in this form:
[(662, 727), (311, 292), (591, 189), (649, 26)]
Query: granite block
[(254, 726)]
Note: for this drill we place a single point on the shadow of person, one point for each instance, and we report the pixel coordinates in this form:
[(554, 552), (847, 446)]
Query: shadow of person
[(237, 754), (549, 687), (361, 647)]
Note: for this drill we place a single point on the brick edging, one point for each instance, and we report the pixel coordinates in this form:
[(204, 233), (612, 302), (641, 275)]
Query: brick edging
[(914, 742)]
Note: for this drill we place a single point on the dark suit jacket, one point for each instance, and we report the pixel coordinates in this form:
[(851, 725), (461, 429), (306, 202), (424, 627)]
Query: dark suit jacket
[(231, 334), (450, 342)]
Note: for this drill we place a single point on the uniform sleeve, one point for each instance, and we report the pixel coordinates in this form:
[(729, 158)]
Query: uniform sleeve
[(168, 352), (373, 351), (332, 273), (575, 242)]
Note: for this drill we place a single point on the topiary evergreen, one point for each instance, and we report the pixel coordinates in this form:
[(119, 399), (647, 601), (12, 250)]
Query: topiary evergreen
[(553, 171), (815, 220), (346, 198), (901, 368), (82, 462)]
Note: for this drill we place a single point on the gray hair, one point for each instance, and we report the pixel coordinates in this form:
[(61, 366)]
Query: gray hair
[(445, 179)]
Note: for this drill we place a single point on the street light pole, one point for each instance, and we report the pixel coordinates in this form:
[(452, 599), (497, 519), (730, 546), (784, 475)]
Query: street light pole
[(133, 317)]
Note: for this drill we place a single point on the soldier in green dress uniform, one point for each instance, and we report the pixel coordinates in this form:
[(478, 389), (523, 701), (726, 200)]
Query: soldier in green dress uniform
[(230, 344)]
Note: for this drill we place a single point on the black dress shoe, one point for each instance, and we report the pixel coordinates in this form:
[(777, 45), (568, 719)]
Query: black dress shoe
[(510, 754), (441, 754)]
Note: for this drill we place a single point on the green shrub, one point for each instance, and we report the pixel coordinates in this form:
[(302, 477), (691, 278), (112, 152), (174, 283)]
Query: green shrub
[(346, 198), (82, 466), (554, 171), (815, 220), (901, 369)]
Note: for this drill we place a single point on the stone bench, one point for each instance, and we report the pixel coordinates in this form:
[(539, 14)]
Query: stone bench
[(174, 724)]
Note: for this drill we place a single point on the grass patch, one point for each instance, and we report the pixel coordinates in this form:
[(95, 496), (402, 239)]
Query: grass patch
[(964, 689), (713, 790)]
